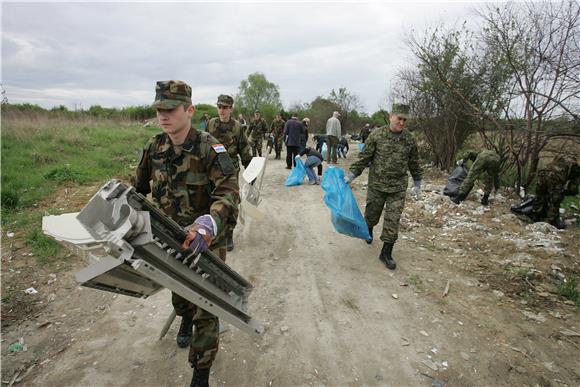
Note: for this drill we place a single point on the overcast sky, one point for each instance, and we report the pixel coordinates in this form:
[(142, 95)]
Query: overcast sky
[(111, 54)]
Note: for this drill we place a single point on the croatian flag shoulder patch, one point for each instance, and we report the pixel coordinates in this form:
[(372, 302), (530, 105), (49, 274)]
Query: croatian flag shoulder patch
[(219, 148)]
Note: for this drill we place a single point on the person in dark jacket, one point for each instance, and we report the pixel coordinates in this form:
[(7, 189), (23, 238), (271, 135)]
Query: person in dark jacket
[(319, 139), (293, 130), (342, 147), (304, 137), (313, 159)]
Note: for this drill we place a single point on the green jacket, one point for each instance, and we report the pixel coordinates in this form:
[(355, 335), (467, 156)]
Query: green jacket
[(200, 180), (389, 156), (234, 139)]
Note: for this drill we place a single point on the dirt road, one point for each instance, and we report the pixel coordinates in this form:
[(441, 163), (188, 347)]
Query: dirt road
[(334, 315)]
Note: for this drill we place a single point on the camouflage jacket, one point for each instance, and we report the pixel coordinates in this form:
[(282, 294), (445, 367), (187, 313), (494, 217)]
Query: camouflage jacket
[(488, 160), (199, 181), (389, 156), (277, 128), (234, 139), (257, 129), (561, 175)]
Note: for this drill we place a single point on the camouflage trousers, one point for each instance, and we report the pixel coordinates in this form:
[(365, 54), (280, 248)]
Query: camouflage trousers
[(488, 174), (391, 205), (205, 340), (549, 195), (278, 146), (233, 219), (256, 144)]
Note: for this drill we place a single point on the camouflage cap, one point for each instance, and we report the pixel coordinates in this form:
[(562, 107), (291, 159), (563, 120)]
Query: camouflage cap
[(171, 94), (401, 110), (225, 100)]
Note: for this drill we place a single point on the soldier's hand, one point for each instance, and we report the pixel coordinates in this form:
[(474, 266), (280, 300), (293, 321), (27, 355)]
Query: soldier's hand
[(200, 234), (349, 178)]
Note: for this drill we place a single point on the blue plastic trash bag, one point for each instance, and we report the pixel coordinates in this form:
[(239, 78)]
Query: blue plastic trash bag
[(361, 147), (345, 214), (297, 174), (324, 151)]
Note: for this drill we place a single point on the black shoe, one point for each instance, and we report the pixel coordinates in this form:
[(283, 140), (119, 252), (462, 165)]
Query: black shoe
[(386, 256), (369, 241), (185, 332), (200, 378), (230, 244), (485, 199)]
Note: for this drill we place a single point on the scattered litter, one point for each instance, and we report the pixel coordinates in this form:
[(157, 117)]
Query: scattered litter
[(405, 342), (436, 383), (284, 328), (434, 350), (430, 364), (465, 356), (31, 291), (445, 364), (549, 366), (10, 235), (569, 333), (15, 347), (446, 289), (498, 293), (395, 296), (424, 333), (536, 317), (404, 284)]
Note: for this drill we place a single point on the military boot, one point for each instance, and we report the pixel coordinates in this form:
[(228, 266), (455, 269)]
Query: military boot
[(386, 256), (485, 199), (369, 241), (185, 332), (230, 243), (200, 378)]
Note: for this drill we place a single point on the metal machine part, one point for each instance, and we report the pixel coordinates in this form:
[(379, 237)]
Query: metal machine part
[(136, 250)]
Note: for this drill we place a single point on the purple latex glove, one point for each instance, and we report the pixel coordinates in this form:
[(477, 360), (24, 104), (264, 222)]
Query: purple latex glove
[(200, 234)]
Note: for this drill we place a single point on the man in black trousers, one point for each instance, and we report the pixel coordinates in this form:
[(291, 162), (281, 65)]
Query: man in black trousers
[(293, 130)]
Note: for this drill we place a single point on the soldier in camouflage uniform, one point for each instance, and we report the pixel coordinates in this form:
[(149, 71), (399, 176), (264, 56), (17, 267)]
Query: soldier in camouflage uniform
[(229, 132), (191, 179), (277, 130), (389, 153), (486, 167), (257, 129), (558, 179)]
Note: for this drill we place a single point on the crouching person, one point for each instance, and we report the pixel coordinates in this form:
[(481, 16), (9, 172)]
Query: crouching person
[(313, 159)]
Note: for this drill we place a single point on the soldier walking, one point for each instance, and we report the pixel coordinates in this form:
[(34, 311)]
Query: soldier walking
[(192, 180), (389, 153), (485, 167), (277, 130), (257, 129), (230, 133)]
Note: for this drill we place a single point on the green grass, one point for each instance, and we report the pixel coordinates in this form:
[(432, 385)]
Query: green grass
[(44, 248), (416, 281), (40, 157), (569, 290)]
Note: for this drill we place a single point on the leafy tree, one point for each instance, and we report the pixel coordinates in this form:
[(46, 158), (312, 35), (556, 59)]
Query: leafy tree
[(257, 93)]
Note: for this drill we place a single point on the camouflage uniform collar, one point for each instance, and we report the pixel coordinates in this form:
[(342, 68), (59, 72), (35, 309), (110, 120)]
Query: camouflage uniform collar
[(190, 140)]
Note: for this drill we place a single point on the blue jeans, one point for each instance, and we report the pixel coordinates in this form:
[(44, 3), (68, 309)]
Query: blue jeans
[(309, 164)]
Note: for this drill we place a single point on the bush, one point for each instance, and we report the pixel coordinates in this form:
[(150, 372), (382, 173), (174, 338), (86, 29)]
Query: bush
[(63, 174)]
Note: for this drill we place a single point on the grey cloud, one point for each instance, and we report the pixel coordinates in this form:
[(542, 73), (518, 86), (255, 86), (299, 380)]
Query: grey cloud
[(112, 53)]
